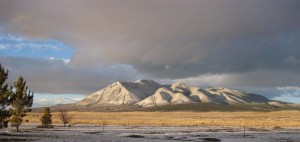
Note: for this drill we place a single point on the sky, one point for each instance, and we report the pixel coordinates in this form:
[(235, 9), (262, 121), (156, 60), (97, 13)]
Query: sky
[(71, 48)]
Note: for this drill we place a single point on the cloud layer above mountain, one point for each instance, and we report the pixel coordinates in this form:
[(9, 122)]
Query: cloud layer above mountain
[(248, 43)]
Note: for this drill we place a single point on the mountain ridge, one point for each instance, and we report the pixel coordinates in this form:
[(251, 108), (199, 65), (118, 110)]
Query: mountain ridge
[(120, 93), (148, 93)]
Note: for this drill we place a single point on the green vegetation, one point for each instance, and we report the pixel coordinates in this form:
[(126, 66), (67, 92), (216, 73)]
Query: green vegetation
[(22, 101), (4, 98), (46, 118), (17, 96)]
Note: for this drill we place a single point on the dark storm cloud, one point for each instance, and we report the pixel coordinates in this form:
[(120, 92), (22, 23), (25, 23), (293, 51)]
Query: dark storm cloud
[(54, 76), (171, 39), (275, 53)]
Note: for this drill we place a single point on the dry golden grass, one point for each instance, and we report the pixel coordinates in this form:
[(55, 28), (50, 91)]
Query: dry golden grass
[(253, 119)]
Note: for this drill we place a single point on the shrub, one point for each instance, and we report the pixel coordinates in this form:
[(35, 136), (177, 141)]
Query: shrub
[(46, 118)]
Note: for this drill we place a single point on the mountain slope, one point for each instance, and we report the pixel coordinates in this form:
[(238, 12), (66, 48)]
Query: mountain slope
[(148, 93), (164, 96), (196, 95), (225, 96), (121, 93)]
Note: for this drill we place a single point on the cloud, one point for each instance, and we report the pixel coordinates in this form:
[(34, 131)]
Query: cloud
[(192, 37), (288, 98), (17, 43), (254, 79), (46, 99), (65, 61), (10, 38), (51, 102), (57, 77), (292, 91), (289, 88), (230, 43), (206, 80), (259, 82)]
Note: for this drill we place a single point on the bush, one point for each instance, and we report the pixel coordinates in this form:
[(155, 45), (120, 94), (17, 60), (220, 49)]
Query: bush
[(277, 127), (46, 118)]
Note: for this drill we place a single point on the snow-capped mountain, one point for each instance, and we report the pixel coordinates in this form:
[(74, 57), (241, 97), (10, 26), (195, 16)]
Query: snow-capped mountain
[(120, 93), (148, 93)]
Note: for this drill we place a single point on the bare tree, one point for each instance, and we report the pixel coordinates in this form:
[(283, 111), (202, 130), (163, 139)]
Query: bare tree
[(65, 117)]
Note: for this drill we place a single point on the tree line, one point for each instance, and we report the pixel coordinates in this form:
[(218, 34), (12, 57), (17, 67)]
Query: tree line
[(16, 101), (18, 98)]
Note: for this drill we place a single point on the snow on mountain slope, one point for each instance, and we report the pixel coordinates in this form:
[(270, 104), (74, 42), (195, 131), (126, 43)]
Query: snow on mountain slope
[(179, 93), (236, 97), (164, 96), (120, 93), (180, 87), (148, 93)]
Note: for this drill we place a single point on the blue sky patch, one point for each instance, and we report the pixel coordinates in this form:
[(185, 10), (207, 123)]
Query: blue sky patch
[(14, 45)]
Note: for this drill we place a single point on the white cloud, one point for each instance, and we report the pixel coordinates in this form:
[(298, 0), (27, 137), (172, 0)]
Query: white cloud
[(289, 91), (289, 88), (65, 61), (288, 94), (287, 98), (10, 37), (19, 43), (202, 80), (31, 46), (51, 102), (3, 47)]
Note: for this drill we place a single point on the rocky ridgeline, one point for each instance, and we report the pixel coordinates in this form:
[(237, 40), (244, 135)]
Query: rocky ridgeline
[(148, 93)]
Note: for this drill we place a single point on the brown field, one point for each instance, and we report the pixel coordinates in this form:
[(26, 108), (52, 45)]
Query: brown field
[(251, 119)]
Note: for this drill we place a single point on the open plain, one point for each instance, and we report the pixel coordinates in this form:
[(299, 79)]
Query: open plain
[(275, 126), (248, 118)]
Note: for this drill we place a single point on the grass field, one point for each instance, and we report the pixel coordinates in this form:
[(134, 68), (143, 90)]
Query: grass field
[(250, 119)]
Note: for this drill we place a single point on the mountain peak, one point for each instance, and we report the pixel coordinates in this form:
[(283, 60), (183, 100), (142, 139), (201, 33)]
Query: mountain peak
[(180, 87), (147, 93), (181, 84), (147, 81), (121, 93)]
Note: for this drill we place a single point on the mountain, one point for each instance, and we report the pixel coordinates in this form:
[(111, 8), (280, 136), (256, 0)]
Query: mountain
[(122, 93), (165, 96), (148, 93)]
